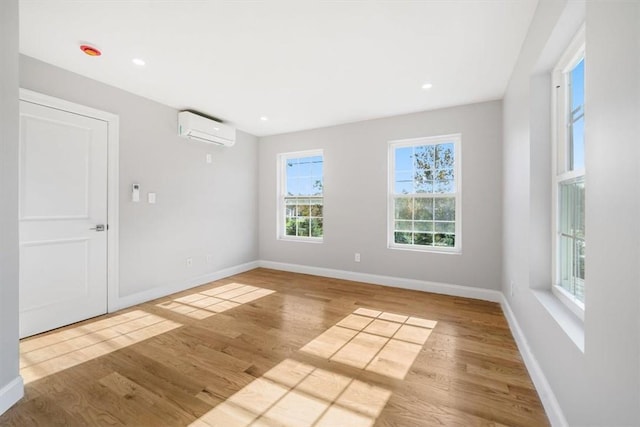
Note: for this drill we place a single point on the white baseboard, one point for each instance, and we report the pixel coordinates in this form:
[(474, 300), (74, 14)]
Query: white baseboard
[(11, 393), (548, 398), (394, 282), (163, 291)]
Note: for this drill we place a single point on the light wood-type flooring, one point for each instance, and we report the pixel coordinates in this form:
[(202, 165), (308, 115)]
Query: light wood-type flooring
[(267, 348)]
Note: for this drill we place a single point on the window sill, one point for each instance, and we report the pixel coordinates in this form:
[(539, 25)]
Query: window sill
[(301, 239), (568, 321), (428, 249)]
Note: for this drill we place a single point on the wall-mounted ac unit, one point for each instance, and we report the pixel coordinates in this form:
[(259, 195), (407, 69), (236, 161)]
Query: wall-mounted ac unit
[(203, 129)]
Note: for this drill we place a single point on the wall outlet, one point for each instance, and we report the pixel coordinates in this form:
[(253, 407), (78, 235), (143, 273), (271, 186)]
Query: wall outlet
[(189, 262), (356, 258), (209, 259), (209, 158), (512, 288)]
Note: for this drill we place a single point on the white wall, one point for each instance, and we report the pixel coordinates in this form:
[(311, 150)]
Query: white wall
[(600, 386), (201, 208), (355, 191), (10, 383)]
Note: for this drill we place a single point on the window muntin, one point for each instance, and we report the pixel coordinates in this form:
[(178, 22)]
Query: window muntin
[(424, 205), (301, 196), (569, 178)]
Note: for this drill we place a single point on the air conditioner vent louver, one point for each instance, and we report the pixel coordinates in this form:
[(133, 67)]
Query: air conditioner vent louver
[(203, 129)]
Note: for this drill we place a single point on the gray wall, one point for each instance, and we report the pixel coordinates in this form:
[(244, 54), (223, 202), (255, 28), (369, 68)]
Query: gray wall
[(8, 201), (355, 191), (201, 209), (602, 385)]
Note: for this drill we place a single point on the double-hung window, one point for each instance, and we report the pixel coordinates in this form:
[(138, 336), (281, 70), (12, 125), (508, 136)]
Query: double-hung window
[(569, 177), (300, 211), (424, 194)]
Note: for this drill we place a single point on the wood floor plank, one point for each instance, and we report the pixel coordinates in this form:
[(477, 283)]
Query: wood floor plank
[(282, 349)]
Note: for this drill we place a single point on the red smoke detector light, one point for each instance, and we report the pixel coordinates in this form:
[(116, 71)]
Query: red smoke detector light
[(90, 50)]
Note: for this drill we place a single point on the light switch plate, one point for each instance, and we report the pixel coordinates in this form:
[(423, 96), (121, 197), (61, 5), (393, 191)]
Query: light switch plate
[(151, 197)]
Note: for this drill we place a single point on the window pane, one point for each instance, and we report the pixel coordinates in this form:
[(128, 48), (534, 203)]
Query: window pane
[(577, 144), (404, 225), (303, 227), (290, 209), (402, 237), (292, 187), (317, 166), (404, 182), (423, 226), (566, 263), (424, 168), (445, 186), (425, 239), (424, 208), (316, 186), (424, 158), (424, 185), (447, 227), (444, 156), (445, 208), (303, 209), (316, 227), (316, 209), (293, 168), (576, 114), (577, 85), (404, 159), (441, 239), (403, 208), (290, 227)]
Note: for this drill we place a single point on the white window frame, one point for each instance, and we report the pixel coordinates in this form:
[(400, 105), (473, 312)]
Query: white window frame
[(456, 139), (282, 189), (561, 157)]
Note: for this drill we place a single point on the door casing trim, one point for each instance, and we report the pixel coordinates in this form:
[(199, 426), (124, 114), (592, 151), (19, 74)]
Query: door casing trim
[(113, 141)]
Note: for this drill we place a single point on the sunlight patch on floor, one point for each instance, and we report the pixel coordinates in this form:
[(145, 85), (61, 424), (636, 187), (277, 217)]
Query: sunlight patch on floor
[(41, 356), (201, 305), (297, 394), (380, 342)]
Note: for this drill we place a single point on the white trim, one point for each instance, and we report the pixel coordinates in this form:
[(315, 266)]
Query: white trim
[(393, 282), (11, 393), (172, 288), (113, 178), (548, 398)]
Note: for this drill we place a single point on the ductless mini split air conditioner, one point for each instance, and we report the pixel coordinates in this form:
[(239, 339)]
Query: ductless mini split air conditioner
[(203, 129)]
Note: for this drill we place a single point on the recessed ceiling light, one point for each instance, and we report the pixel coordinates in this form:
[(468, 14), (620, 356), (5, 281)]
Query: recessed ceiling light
[(139, 62), (264, 118), (427, 86)]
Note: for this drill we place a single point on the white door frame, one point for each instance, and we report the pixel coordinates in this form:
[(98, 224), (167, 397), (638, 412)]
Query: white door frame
[(113, 142)]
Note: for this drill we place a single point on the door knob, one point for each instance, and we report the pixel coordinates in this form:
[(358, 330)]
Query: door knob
[(99, 227)]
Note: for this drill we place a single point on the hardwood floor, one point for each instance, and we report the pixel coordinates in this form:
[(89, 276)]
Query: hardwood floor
[(274, 348)]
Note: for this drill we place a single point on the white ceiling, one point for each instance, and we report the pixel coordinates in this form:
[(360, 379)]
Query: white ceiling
[(303, 64)]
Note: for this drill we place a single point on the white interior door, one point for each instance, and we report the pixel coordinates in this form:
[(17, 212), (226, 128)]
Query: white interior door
[(63, 203)]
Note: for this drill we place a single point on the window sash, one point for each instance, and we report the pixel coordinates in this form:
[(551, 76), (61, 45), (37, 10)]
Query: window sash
[(568, 183)]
